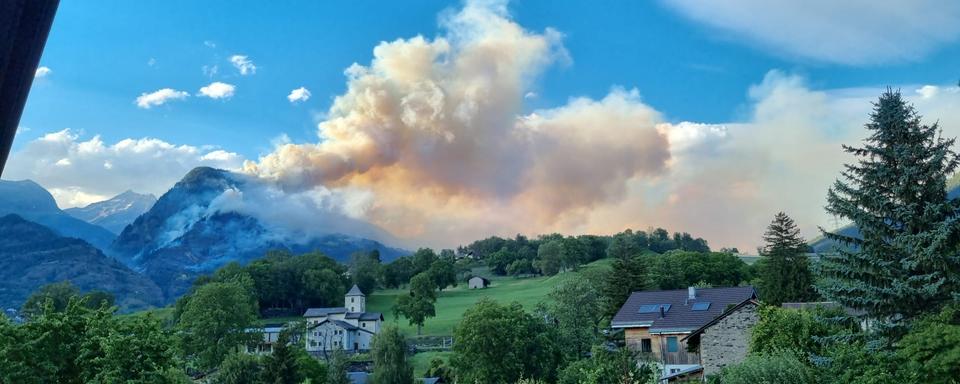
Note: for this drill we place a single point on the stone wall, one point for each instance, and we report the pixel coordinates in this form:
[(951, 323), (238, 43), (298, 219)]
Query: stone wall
[(727, 341)]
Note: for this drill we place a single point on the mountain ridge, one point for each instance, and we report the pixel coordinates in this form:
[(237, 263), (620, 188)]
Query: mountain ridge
[(185, 234), (115, 213), (31, 201), (32, 255)]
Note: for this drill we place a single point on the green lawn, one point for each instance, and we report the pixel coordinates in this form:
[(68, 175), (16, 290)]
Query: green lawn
[(452, 302)]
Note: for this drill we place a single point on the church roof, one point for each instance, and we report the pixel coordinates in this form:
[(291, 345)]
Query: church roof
[(319, 312), (355, 291), (342, 324), (366, 316)]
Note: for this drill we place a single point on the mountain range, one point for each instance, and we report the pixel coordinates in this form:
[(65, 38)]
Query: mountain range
[(32, 202), (164, 243), (183, 235), (117, 212), (32, 255)]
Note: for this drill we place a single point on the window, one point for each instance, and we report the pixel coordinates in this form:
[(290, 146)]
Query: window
[(653, 308), (351, 299), (646, 346), (672, 345), (703, 306)]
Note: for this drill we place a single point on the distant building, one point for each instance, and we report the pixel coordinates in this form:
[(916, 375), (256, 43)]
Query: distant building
[(349, 328), (655, 323), (271, 332), (478, 282), (725, 340)]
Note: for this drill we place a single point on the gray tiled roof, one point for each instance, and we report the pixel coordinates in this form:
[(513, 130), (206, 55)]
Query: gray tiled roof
[(355, 291), (319, 312), (680, 317), (368, 316), (342, 324)]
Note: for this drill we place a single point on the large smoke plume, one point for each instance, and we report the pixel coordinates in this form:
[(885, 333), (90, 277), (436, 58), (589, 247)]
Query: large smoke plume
[(438, 126)]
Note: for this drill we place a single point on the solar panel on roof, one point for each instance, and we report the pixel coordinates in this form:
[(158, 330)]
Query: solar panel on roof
[(649, 308), (653, 308), (701, 306)]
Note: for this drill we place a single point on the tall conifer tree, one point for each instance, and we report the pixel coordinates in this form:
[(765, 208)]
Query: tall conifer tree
[(628, 274), (785, 270), (906, 262)]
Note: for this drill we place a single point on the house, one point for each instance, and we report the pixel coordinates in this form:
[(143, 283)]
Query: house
[(271, 332), (725, 340), (350, 327), (656, 322), (478, 282)]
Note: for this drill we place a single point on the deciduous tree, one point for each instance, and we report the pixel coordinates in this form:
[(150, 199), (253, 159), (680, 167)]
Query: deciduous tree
[(502, 343), (417, 306), (389, 353)]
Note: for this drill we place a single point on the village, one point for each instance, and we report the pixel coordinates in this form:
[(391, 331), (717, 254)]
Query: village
[(479, 192), (688, 334)]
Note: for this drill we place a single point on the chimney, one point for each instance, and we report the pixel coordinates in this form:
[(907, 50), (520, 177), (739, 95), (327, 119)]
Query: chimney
[(662, 313), (691, 293)]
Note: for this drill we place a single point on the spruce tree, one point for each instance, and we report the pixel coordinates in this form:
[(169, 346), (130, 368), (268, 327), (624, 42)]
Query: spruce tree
[(784, 270), (906, 262), (281, 366), (627, 274)]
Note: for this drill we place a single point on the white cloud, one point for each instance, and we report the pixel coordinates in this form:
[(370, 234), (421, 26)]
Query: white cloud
[(299, 94), (42, 72), (151, 62), (243, 64), (160, 97), (209, 44), (928, 91), (217, 90), (79, 171), (857, 32)]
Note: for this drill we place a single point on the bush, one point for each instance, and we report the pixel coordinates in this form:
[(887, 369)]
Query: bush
[(794, 331), (768, 369)]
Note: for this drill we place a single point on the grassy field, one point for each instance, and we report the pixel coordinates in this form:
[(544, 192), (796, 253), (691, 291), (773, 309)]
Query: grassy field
[(452, 302)]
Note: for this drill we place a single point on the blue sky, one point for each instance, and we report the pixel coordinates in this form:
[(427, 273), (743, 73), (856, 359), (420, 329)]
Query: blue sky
[(99, 53), (718, 84)]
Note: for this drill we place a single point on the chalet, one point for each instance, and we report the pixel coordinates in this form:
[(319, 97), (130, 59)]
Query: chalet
[(478, 282), (655, 323), (271, 332), (350, 328), (725, 340)]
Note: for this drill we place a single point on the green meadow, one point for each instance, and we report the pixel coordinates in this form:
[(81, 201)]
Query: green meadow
[(453, 302)]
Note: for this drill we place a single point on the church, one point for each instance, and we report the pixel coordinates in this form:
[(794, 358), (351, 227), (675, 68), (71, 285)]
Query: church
[(350, 328)]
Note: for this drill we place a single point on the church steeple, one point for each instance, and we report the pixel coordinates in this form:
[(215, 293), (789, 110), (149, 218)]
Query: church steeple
[(355, 300)]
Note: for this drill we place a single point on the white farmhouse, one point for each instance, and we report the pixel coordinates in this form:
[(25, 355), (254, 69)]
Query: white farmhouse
[(350, 328)]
